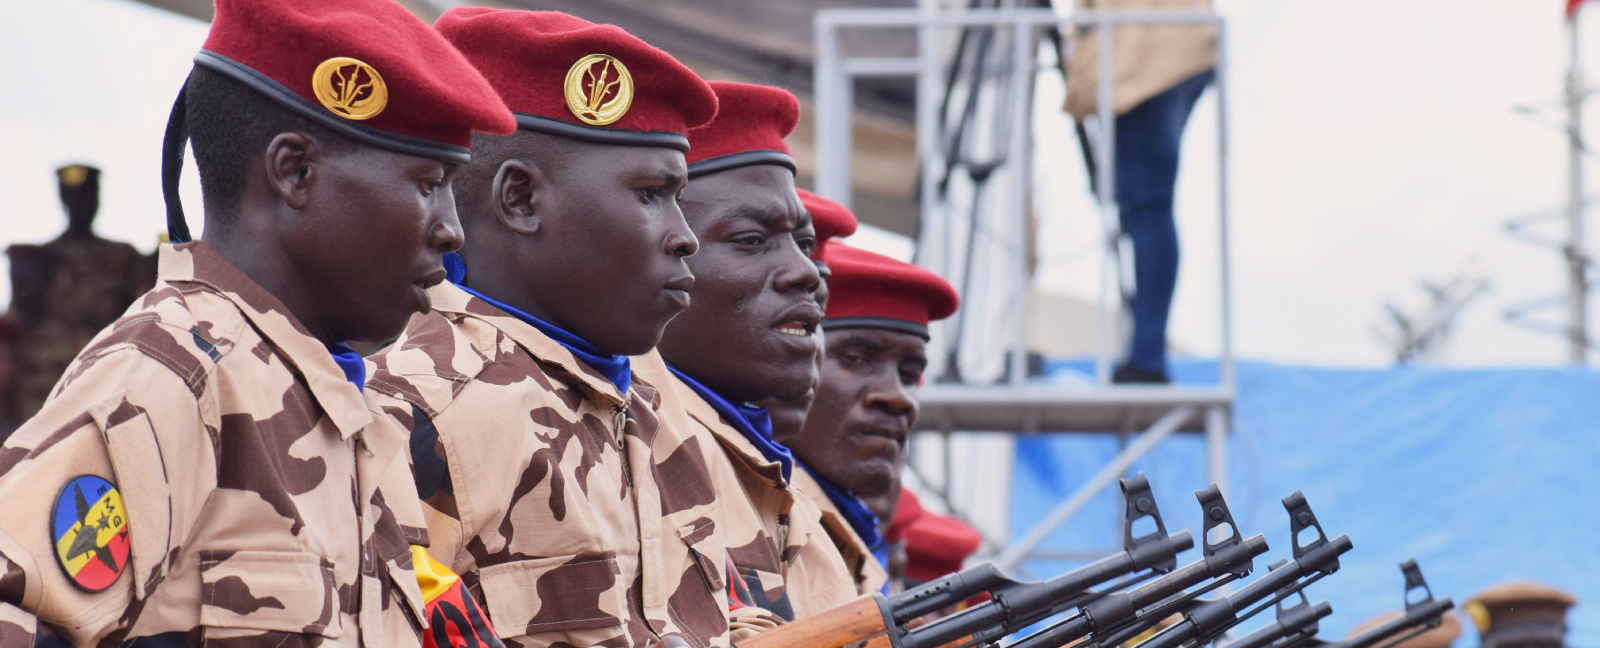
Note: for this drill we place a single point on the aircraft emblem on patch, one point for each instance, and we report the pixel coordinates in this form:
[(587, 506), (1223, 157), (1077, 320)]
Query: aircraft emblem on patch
[(90, 529)]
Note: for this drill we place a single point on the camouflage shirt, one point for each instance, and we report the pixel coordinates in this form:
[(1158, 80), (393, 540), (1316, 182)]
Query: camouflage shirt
[(774, 534), (864, 567), (567, 509), (206, 443)]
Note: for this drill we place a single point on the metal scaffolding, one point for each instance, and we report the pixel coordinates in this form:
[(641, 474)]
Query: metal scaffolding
[(1014, 404)]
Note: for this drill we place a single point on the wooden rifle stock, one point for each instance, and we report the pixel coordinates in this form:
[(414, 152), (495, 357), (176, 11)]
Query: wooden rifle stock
[(860, 618)]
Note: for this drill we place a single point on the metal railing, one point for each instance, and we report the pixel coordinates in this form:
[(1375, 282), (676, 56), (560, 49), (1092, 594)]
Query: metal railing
[(1015, 405)]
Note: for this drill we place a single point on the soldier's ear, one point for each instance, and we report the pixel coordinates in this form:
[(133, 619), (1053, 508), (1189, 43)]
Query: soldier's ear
[(291, 171), (516, 191)]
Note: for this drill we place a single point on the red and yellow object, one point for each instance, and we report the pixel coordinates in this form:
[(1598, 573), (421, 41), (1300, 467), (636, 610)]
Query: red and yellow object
[(90, 529), (454, 617)]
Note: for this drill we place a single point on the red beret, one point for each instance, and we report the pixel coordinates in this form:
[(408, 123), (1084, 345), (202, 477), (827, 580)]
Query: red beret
[(829, 218), (546, 65), (872, 290), (367, 69), (937, 545), (751, 122)]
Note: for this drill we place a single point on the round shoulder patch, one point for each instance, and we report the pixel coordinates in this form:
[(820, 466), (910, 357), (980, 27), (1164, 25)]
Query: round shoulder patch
[(91, 532)]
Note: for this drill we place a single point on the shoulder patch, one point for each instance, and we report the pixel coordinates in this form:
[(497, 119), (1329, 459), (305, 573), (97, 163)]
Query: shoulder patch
[(90, 532)]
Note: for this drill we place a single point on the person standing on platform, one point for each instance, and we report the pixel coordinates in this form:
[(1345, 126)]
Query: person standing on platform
[(1158, 73), (549, 483), (751, 334), (206, 472), (855, 434), (65, 291)]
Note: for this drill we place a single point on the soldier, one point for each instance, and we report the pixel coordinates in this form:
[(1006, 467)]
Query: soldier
[(65, 291), (855, 433), (830, 219), (214, 442), (1521, 615), (751, 335), (549, 484)]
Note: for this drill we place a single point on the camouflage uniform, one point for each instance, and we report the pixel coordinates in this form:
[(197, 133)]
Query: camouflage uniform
[(63, 293), (261, 502), (774, 534), (864, 568), (568, 510)]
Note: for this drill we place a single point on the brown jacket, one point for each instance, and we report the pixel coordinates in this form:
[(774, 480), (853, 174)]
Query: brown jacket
[(1146, 60), (774, 535), (566, 508), (260, 500), (869, 575)]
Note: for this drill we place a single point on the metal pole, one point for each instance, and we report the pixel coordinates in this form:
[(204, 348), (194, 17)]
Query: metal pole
[(1577, 258), (1021, 128), (1226, 370), (1217, 446), (1105, 159), (832, 128), (933, 245)]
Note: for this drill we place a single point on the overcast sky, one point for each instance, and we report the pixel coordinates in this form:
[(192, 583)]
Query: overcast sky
[(1374, 146)]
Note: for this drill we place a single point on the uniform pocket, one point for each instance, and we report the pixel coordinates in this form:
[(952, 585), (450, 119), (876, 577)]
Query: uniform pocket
[(269, 590), (553, 594), (707, 550)]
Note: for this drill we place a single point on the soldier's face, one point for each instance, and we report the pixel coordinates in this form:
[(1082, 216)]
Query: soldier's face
[(789, 415), (856, 431), (751, 333), (612, 242), (371, 240)]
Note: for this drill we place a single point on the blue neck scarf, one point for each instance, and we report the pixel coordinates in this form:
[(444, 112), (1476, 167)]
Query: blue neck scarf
[(355, 369), (855, 511), (614, 367), (752, 422)]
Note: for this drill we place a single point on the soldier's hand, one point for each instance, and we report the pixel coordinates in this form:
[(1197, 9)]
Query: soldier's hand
[(673, 640)]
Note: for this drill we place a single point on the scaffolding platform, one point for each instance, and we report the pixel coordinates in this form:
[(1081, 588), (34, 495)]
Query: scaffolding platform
[(1045, 408)]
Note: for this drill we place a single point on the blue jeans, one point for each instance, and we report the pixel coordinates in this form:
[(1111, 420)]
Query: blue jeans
[(1147, 174)]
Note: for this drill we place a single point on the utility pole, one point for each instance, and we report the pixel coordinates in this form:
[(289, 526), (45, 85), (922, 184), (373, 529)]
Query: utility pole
[(1577, 257)]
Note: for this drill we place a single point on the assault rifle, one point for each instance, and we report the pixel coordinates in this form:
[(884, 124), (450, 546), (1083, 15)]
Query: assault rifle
[(1420, 616), (1204, 621), (885, 618), (1294, 623), (1117, 617)]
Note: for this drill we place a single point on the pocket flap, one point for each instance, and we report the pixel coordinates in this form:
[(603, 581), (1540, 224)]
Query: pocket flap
[(707, 549), (142, 478), (269, 590), (553, 594)]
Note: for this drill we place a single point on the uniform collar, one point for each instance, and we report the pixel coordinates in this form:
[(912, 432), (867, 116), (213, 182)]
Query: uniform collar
[(851, 509), (450, 299), (614, 367), (752, 422), (199, 263)]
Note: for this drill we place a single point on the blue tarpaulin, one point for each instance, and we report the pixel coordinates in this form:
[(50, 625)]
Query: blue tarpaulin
[(1482, 475)]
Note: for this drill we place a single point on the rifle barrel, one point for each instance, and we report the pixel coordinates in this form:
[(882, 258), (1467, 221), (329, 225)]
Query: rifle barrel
[(1106, 612), (1211, 617), (1298, 620)]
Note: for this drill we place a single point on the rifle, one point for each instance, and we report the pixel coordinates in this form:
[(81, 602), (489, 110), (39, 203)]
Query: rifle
[(1427, 612), (1204, 621), (1294, 623), (1121, 615), (875, 615)]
